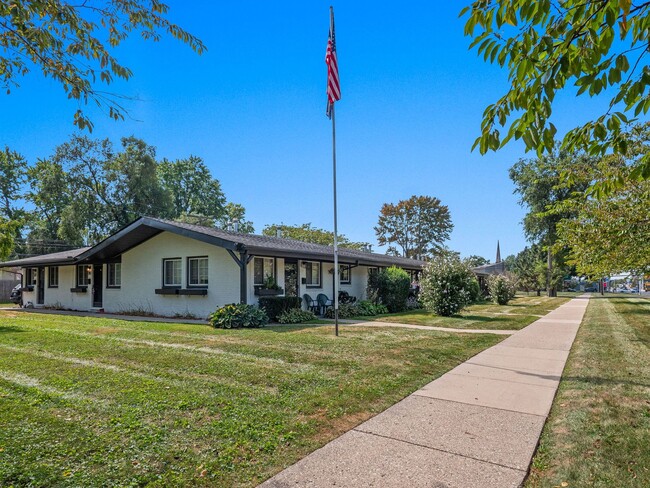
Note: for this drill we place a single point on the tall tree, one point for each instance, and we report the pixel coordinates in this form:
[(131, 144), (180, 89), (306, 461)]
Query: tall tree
[(193, 189), (547, 46), (235, 212), (107, 189), (525, 267), (12, 177), (610, 231), (539, 182), (308, 233), (8, 230), (473, 261), (419, 226), (137, 190), (73, 43)]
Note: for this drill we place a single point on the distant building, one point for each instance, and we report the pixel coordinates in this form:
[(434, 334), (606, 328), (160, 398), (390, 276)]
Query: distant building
[(486, 270)]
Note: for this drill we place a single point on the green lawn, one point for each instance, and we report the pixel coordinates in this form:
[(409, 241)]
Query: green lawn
[(598, 433), (519, 313), (103, 402)]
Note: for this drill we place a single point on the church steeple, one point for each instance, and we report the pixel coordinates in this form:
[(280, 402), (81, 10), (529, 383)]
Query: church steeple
[(498, 260)]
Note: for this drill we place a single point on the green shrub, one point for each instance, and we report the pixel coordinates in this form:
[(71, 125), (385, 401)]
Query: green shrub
[(372, 287), (346, 311), (366, 308), (394, 286), (445, 286), (275, 306), (237, 315), (500, 288), (296, 316), (475, 294)]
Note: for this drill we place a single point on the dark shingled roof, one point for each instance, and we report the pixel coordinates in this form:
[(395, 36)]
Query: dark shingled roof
[(55, 258), (280, 246), (490, 269), (147, 227)]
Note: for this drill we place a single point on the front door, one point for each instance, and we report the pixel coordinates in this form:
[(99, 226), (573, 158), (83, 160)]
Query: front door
[(40, 291), (290, 278), (97, 283)]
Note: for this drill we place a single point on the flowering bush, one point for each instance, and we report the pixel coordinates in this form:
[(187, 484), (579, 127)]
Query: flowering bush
[(446, 286), (501, 289), (237, 315), (295, 316)]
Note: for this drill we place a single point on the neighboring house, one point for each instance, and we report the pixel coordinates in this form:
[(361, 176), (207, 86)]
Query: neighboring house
[(485, 271), (9, 278), (171, 268)]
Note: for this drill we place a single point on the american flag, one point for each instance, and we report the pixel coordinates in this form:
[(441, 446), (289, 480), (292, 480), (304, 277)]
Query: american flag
[(333, 86)]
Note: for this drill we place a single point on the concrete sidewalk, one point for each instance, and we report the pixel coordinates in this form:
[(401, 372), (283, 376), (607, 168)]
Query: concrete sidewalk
[(476, 426)]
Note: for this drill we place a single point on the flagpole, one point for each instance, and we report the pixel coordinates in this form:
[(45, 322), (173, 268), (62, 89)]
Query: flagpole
[(333, 94), (336, 244)]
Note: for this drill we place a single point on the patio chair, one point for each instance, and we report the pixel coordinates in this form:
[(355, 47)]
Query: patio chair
[(311, 303), (345, 297), (323, 302)]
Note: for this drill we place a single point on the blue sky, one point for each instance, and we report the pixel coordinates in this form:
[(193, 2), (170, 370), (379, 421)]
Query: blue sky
[(253, 108)]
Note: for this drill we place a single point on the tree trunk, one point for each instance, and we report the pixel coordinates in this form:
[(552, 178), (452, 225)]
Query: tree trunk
[(549, 273)]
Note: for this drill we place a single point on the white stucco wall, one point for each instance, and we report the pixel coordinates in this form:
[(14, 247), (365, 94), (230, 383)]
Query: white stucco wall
[(142, 275), (62, 296)]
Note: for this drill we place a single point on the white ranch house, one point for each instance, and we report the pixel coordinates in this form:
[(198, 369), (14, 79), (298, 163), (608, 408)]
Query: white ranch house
[(170, 268)]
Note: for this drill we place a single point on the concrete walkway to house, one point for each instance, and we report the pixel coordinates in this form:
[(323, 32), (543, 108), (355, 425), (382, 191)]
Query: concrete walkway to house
[(475, 426)]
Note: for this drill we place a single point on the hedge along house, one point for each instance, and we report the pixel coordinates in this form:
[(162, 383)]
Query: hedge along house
[(170, 268)]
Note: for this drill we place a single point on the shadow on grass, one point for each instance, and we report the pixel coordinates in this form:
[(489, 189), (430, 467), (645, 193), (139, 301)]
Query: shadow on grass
[(475, 318), (293, 327), (8, 329), (594, 380)]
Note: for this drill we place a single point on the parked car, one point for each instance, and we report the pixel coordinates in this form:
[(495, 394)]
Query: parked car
[(16, 295), (591, 288)]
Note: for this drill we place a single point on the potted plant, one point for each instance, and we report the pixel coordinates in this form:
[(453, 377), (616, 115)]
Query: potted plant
[(268, 288)]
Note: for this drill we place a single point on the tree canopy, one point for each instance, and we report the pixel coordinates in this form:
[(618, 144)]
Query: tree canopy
[(88, 189), (541, 184), (309, 233), (193, 189), (546, 46), (73, 43), (473, 261), (610, 231), (419, 226)]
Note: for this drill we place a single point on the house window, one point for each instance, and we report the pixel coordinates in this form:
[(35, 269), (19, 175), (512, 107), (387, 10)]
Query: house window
[(53, 277), (172, 272), (345, 274), (197, 271), (30, 278), (114, 275), (312, 273), (373, 270), (83, 275), (262, 269)]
